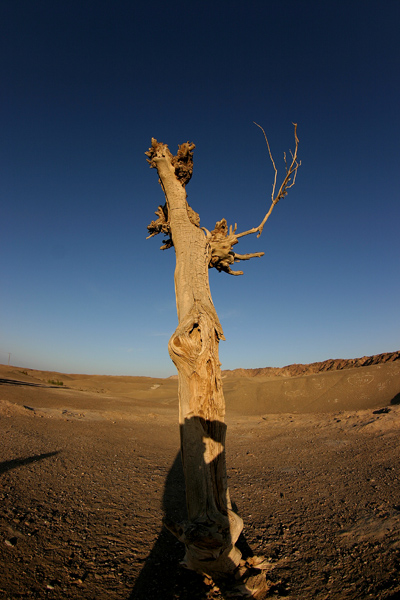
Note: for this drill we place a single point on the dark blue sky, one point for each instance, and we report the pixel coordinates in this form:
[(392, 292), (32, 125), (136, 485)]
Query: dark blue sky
[(85, 85)]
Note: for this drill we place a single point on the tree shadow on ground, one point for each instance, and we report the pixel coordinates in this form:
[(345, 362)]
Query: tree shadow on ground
[(162, 576), (21, 462)]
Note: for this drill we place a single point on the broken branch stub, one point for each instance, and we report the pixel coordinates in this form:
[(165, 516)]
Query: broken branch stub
[(182, 162), (221, 254), (182, 166), (161, 224)]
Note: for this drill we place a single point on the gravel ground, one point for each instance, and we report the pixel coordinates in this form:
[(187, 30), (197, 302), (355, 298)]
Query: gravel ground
[(83, 497)]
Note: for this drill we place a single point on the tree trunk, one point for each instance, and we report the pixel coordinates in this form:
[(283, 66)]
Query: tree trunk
[(212, 528)]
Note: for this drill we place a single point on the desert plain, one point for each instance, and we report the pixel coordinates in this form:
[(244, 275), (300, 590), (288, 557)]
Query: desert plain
[(90, 466)]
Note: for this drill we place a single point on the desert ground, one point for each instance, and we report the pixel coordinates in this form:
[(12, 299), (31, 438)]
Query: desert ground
[(89, 468)]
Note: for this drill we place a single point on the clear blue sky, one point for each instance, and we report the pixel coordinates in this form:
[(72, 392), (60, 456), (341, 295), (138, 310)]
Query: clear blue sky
[(84, 87)]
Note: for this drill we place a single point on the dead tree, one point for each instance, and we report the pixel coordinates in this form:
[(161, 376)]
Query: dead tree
[(212, 527)]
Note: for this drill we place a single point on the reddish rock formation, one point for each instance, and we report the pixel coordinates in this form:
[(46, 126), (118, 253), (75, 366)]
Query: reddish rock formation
[(331, 364)]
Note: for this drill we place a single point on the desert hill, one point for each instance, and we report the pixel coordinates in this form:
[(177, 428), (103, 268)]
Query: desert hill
[(330, 386), (335, 364)]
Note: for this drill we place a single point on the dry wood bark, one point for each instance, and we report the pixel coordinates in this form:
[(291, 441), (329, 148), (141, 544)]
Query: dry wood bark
[(212, 527)]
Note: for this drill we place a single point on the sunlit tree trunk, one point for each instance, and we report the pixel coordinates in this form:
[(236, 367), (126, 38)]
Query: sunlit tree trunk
[(212, 527)]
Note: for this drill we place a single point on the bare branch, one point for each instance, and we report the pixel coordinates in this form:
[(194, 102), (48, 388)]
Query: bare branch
[(239, 257), (288, 182), (248, 232), (221, 240), (272, 160), (229, 270)]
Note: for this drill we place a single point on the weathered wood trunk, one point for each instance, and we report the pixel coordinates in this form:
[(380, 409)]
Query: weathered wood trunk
[(212, 528)]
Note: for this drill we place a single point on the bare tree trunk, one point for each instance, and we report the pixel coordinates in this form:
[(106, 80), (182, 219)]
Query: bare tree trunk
[(212, 527)]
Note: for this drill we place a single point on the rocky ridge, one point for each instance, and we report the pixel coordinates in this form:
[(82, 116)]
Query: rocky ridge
[(332, 364)]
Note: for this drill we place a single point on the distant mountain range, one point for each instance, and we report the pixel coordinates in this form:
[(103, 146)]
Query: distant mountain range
[(336, 364)]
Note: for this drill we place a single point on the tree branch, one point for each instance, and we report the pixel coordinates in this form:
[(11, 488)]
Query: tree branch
[(221, 240), (287, 183), (239, 257)]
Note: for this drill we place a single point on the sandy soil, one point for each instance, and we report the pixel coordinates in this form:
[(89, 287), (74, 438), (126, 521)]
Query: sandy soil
[(88, 470)]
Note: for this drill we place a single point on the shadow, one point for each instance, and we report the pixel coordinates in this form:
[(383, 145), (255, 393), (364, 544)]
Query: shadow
[(21, 462), (395, 400), (16, 382), (28, 383), (162, 575)]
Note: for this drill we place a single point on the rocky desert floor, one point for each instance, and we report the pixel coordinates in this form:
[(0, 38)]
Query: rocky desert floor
[(88, 470)]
